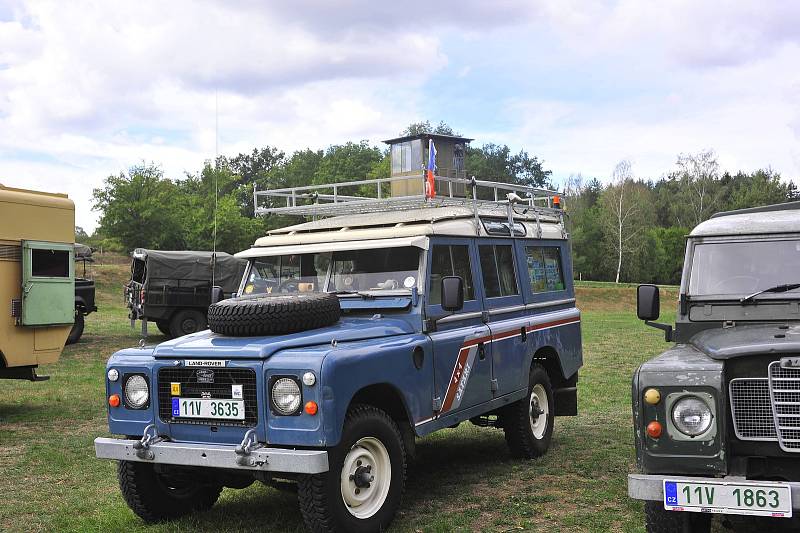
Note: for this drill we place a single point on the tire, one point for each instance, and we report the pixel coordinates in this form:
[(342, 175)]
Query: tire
[(163, 327), (659, 520), (154, 497), (371, 447), (528, 434), (77, 328), (186, 321), (278, 314)]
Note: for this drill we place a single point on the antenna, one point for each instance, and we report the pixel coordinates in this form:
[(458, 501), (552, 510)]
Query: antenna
[(216, 189)]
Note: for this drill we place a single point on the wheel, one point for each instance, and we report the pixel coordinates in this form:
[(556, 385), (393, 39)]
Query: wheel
[(659, 520), (77, 328), (163, 327), (155, 497), (274, 314), (528, 423), (186, 321), (362, 489)]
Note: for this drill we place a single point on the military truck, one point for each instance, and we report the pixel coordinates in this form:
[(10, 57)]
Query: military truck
[(84, 293), (717, 415), (351, 336), (173, 289), (37, 279)]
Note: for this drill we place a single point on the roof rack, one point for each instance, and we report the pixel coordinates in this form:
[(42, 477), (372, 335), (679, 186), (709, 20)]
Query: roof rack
[(760, 209), (372, 196)]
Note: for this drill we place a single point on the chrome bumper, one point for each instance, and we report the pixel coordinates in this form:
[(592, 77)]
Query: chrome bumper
[(651, 486), (214, 456)]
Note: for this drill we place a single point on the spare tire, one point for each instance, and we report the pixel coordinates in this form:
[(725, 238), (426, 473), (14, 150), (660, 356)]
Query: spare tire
[(264, 314)]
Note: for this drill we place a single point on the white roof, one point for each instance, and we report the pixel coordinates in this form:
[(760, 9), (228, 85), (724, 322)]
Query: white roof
[(757, 223), (334, 246)]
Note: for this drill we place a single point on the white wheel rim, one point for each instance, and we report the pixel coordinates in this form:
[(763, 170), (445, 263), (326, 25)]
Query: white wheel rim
[(539, 411), (365, 478)]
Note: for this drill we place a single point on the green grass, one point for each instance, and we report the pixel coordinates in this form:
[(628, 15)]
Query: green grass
[(462, 479)]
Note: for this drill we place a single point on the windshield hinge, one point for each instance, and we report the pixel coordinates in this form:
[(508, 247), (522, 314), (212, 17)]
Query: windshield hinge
[(728, 324)]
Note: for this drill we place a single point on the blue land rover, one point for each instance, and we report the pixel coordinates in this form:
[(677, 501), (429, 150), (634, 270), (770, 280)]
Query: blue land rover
[(351, 336)]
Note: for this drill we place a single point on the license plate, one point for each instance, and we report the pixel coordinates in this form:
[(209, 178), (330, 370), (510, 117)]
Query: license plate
[(759, 499), (208, 408)]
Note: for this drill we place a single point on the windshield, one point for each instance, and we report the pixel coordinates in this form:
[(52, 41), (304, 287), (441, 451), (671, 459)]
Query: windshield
[(739, 268), (388, 269)]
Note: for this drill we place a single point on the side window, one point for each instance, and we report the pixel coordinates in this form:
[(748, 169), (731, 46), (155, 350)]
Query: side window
[(497, 267), (49, 263), (449, 260), (544, 268)]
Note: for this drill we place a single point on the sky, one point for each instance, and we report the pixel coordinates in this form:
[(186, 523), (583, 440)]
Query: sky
[(91, 88)]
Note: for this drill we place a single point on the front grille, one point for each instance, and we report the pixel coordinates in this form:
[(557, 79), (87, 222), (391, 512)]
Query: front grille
[(221, 388), (752, 409), (784, 385)]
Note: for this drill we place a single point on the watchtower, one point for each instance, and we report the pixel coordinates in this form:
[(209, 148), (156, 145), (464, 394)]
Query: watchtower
[(409, 156)]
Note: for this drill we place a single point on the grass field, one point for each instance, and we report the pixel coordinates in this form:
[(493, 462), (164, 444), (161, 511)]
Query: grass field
[(463, 478)]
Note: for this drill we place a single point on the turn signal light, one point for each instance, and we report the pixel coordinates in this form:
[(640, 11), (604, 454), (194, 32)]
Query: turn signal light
[(654, 429), (311, 408), (113, 400)]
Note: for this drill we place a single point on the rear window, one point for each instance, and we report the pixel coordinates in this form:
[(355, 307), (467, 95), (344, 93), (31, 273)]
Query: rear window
[(497, 266), (544, 268), (49, 263)]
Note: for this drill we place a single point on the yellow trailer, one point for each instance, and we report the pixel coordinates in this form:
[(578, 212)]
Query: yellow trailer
[(37, 279)]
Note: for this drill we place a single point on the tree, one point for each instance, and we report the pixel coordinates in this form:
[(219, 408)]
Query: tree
[(416, 128), (140, 208), (698, 187), (496, 163), (80, 234), (623, 208)]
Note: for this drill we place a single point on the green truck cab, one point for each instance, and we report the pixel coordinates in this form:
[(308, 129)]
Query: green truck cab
[(717, 415), (37, 279)]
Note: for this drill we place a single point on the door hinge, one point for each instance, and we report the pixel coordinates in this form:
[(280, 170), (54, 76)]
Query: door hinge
[(482, 351), (485, 316), (437, 404), (494, 385)]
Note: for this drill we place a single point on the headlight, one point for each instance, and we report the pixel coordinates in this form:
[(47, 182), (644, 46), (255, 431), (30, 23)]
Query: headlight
[(691, 416), (137, 393), (286, 396)]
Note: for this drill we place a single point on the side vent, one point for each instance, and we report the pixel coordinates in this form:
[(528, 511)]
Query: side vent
[(10, 252), (16, 308)]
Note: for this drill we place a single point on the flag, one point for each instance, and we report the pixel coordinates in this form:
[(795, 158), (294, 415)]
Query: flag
[(430, 171)]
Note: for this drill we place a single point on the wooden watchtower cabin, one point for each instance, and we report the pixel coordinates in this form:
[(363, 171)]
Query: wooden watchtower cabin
[(409, 156)]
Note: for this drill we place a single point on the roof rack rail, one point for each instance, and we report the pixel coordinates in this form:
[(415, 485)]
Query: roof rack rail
[(760, 209), (375, 195)]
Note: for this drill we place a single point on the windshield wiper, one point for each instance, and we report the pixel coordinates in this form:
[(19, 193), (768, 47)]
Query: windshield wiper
[(777, 288), (364, 295)]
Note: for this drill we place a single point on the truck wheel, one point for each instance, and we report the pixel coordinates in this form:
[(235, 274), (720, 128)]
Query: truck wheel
[(362, 489), (659, 520), (528, 423), (163, 327), (155, 497), (77, 328), (187, 321), (274, 314)]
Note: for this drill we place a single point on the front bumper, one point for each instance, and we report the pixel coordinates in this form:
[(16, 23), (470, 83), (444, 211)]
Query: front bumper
[(651, 486), (214, 456)]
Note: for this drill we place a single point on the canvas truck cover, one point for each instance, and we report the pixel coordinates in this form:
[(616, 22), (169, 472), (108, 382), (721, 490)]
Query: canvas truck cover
[(194, 265)]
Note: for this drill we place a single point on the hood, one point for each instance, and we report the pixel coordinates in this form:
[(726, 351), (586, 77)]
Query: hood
[(738, 341), (206, 344)]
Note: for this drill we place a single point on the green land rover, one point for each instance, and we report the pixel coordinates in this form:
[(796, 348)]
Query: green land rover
[(717, 415)]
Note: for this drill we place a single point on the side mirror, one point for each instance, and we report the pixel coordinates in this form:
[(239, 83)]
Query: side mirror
[(452, 293), (648, 305), (216, 294)]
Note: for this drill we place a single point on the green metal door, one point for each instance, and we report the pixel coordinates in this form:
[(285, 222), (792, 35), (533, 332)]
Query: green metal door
[(48, 283)]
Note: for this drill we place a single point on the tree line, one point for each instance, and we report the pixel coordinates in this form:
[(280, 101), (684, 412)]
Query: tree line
[(626, 228)]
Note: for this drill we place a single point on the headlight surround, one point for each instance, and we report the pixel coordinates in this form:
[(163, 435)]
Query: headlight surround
[(692, 416), (136, 391), (286, 396)]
